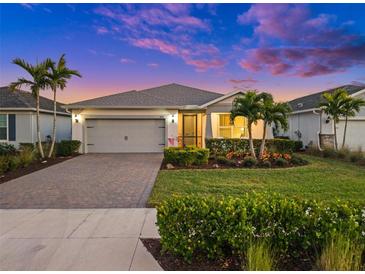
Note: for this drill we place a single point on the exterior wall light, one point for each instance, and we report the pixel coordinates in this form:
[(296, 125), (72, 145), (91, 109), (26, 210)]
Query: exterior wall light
[(173, 120), (76, 118)]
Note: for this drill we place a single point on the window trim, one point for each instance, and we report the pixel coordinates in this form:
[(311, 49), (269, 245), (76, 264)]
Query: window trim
[(7, 127), (231, 127)]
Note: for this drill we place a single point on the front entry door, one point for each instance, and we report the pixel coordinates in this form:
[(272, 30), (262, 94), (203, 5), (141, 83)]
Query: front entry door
[(190, 130)]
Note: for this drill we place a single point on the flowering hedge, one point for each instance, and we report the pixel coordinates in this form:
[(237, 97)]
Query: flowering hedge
[(224, 146), (216, 227)]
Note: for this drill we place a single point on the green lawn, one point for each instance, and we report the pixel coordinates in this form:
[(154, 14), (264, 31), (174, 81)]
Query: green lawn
[(321, 179)]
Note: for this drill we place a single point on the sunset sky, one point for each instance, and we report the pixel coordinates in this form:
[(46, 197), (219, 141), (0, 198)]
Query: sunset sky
[(287, 50)]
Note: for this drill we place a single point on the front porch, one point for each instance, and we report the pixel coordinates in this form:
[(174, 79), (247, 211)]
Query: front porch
[(195, 126)]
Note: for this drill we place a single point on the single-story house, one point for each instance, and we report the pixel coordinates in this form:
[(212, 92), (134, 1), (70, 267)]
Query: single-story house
[(18, 118), (149, 120), (313, 127)]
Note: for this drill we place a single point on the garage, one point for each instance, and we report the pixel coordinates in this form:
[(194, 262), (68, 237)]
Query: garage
[(125, 135)]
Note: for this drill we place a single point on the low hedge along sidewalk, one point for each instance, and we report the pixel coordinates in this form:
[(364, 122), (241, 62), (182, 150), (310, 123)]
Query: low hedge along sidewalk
[(214, 227), (223, 146), (186, 156)]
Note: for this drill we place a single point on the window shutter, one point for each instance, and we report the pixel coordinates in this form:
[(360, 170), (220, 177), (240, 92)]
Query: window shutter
[(12, 127)]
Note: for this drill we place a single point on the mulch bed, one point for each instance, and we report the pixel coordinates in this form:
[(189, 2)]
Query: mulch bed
[(37, 165), (211, 165), (171, 262)]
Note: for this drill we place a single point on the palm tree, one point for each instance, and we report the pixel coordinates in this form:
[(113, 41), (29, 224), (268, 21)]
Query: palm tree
[(38, 82), (350, 108), (333, 106), (248, 105), (273, 113), (58, 76)]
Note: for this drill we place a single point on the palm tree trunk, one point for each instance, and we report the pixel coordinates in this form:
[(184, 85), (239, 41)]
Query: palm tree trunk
[(344, 132), (40, 148), (335, 131), (252, 148), (262, 147), (54, 124)]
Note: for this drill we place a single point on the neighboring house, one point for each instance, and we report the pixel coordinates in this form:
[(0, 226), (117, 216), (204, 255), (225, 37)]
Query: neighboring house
[(150, 119), (18, 118), (310, 125)]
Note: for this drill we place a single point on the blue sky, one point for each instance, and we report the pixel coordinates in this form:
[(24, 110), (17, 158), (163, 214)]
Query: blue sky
[(288, 50)]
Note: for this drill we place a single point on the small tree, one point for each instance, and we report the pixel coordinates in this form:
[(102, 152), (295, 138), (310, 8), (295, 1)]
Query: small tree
[(334, 107), (38, 82), (273, 113), (350, 108), (248, 105), (58, 76)]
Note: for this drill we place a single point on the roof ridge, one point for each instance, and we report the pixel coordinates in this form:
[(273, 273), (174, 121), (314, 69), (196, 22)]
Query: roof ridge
[(110, 95), (327, 90)]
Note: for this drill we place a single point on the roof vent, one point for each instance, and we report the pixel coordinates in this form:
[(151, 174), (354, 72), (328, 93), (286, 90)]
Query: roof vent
[(300, 105)]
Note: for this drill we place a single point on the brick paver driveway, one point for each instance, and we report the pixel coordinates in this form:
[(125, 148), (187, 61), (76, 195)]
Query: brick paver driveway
[(87, 181)]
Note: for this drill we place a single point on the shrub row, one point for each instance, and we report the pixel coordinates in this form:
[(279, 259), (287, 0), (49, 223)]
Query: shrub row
[(63, 148), (6, 149), (342, 154), (223, 146), (186, 156), (223, 227), (13, 161)]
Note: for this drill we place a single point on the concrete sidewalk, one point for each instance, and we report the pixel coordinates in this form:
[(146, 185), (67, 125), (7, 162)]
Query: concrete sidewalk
[(76, 239)]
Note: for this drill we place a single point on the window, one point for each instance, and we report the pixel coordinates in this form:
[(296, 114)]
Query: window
[(236, 130), (3, 127)]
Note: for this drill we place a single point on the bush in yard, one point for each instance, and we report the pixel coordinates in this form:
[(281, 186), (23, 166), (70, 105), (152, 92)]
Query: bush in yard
[(329, 153), (296, 160), (4, 164), (7, 149), (186, 156), (224, 146), (224, 161), (249, 161), (281, 162), (221, 227), (265, 164), (26, 157), (356, 156), (68, 147)]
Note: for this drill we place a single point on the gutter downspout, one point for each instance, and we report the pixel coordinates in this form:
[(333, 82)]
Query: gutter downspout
[(320, 129)]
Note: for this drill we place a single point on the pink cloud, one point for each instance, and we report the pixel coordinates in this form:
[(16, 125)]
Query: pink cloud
[(155, 44), (153, 65), (167, 28), (101, 30), (292, 23), (203, 65), (126, 61), (249, 80), (312, 45), (304, 62)]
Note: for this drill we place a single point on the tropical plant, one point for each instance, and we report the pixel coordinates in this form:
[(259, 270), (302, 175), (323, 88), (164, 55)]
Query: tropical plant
[(273, 113), (37, 82), (248, 105), (350, 108), (58, 76), (333, 106)]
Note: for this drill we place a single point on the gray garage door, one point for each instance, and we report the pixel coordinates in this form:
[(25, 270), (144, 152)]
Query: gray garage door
[(115, 136)]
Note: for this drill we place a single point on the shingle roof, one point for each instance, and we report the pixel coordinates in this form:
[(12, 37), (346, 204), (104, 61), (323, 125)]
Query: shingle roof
[(312, 100), (24, 99), (167, 95)]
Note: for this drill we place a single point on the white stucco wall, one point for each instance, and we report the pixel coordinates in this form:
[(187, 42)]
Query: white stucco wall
[(170, 116)]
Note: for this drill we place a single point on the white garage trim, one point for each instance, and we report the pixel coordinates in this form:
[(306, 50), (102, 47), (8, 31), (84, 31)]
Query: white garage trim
[(124, 135)]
